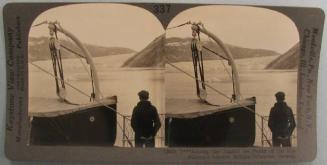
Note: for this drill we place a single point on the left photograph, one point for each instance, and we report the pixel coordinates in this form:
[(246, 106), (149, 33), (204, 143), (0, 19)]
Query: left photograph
[(89, 83)]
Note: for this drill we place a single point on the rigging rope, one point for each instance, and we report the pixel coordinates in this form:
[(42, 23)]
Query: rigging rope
[(63, 82), (222, 57), (196, 48), (247, 108), (85, 94), (186, 23), (215, 53), (57, 61), (92, 97), (208, 85), (57, 67), (231, 75), (72, 51), (196, 32), (198, 63), (90, 72)]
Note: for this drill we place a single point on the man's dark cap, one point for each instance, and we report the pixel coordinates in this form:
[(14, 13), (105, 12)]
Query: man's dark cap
[(280, 95), (143, 94)]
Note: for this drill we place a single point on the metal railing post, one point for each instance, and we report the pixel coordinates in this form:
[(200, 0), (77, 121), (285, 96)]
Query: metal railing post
[(124, 129), (262, 133)]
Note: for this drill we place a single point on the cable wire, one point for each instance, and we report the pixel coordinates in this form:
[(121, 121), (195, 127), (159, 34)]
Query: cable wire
[(85, 94)]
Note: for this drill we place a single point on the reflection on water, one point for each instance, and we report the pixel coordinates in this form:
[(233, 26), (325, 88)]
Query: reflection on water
[(127, 82)]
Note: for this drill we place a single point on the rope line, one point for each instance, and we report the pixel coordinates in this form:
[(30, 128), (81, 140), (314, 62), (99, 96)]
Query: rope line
[(85, 94), (63, 82), (221, 61), (215, 53), (57, 60), (174, 66), (72, 86), (219, 92), (221, 57), (230, 75), (208, 85), (89, 71), (227, 71), (247, 108), (72, 51), (186, 23)]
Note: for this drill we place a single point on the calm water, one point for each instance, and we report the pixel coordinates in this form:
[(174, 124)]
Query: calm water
[(263, 84), (126, 82)]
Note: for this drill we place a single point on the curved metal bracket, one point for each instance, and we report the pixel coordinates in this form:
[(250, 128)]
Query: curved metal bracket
[(227, 52), (55, 25)]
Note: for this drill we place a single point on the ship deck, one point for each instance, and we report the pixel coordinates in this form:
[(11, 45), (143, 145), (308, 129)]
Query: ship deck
[(50, 107), (190, 108)]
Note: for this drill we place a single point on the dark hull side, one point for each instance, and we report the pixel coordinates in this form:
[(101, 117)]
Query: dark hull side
[(92, 126), (214, 130)]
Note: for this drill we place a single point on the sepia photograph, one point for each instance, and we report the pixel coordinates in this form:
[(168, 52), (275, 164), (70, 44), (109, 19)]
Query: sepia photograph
[(113, 75), (231, 78), (84, 86)]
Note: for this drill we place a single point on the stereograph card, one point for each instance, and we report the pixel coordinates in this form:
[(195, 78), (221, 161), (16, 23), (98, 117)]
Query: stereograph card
[(161, 82)]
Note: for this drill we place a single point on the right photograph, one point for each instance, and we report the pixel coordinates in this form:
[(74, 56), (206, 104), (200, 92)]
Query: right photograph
[(231, 78)]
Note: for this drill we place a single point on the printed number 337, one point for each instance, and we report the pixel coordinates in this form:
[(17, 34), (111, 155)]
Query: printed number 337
[(161, 9)]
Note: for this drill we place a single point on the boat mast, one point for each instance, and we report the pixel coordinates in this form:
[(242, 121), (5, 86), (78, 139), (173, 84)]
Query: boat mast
[(229, 55), (56, 26)]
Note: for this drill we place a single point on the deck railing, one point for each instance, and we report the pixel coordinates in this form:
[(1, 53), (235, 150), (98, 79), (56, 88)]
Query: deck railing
[(128, 133), (265, 133)]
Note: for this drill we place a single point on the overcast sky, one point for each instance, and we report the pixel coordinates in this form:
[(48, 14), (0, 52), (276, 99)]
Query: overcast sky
[(104, 24), (133, 27), (249, 27)]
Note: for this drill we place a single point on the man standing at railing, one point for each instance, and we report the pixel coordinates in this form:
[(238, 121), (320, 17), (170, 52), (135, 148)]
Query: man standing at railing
[(281, 122), (145, 121)]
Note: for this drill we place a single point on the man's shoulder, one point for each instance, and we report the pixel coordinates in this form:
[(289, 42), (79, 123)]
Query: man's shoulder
[(153, 106), (289, 109), (152, 109), (136, 109), (272, 109)]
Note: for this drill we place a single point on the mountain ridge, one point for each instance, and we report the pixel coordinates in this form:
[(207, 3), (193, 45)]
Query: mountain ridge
[(178, 50), (288, 60), (38, 49)]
